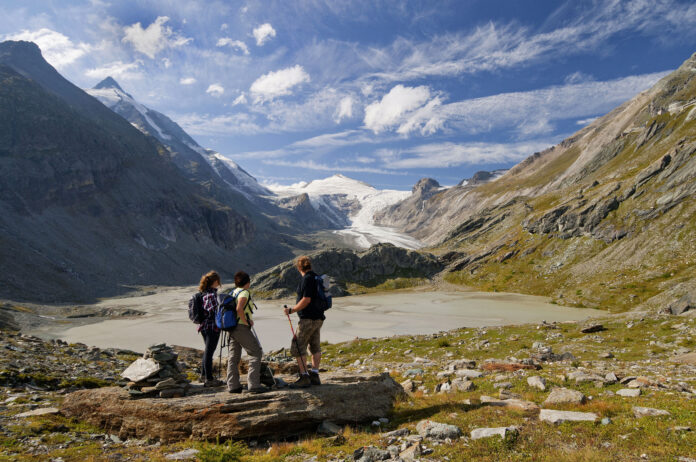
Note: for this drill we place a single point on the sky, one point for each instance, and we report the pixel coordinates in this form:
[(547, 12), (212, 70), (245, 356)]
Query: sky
[(383, 91)]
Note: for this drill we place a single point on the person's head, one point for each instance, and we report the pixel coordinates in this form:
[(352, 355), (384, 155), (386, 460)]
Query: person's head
[(210, 280), (241, 279), (303, 264)]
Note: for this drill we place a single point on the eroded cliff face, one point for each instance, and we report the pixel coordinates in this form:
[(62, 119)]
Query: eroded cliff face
[(606, 217), (371, 267)]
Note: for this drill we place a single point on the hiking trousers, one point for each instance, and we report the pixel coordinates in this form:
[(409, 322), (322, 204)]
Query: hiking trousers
[(210, 337), (242, 337)]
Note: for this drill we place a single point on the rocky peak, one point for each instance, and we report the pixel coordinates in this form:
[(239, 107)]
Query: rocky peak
[(107, 83), (426, 187), (19, 49)]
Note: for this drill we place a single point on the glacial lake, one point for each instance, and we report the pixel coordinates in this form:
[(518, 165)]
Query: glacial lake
[(364, 316)]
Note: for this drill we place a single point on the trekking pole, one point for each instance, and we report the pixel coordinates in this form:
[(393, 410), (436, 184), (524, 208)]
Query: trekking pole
[(222, 344), (297, 345)]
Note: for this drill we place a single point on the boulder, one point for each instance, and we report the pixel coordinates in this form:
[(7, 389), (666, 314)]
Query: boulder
[(629, 393), (39, 412), (370, 454), (460, 384), (684, 304), (207, 415), (512, 403), (648, 412), (592, 328), (479, 433), (507, 366), (556, 417), (564, 396), (468, 373), (141, 369), (537, 382), (437, 430)]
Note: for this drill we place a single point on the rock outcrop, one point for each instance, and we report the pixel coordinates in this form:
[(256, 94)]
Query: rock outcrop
[(371, 267), (207, 415), (157, 373)]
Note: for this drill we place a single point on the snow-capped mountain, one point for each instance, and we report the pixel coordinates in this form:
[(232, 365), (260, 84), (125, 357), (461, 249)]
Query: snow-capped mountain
[(351, 204), (186, 152)]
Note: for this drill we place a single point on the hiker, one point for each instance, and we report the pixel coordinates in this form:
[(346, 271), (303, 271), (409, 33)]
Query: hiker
[(311, 317), (210, 282), (242, 336)]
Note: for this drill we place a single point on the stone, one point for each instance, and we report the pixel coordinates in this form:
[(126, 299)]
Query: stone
[(479, 433), (503, 385), (463, 385), (206, 415), (468, 373), (689, 358), (40, 412), (556, 417), (167, 383), (408, 386), (537, 382), (443, 388), (507, 367), (629, 393), (437, 430), (507, 394), (684, 304), (648, 412), (413, 372), (141, 369), (172, 393), (592, 328), (607, 355), (186, 454), (606, 421), (412, 453), (611, 378), (582, 376), (513, 403), (462, 364), (564, 396), (396, 433), (370, 454), (639, 382)]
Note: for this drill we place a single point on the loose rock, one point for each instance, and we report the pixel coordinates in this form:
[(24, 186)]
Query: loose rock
[(648, 412), (564, 396), (537, 382), (479, 433), (437, 430), (555, 417)]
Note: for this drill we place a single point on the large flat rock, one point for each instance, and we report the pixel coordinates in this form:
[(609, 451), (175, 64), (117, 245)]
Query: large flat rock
[(209, 414)]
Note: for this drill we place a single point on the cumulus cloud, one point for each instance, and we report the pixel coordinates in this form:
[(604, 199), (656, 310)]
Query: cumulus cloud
[(117, 69), (234, 44), (215, 89), (395, 107), (241, 99), (187, 81), (264, 33), (55, 47), (154, 38), (278, 83), (344, 109)]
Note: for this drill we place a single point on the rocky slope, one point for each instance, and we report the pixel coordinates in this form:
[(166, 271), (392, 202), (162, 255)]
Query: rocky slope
[(604, 219), (90, 205), (344, 267)]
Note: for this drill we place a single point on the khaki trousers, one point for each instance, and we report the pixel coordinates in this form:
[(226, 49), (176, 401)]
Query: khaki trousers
[(242, 337)]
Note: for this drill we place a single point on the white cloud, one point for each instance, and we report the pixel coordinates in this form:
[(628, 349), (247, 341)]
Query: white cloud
[(278, 83), (55, 47), (117, 69), (234, 44), (393, 108), (167, 63), (588, 121), (205, 124), (264, 33), (241, 99), (447, 155), (187, 81), (215, 89), (344, 109), (312, 165), (154, 38)]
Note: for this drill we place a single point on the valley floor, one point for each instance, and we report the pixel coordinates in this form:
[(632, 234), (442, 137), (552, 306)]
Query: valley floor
[(648, 354)]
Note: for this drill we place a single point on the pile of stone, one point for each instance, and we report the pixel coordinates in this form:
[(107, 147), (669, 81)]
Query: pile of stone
[(157, 373)]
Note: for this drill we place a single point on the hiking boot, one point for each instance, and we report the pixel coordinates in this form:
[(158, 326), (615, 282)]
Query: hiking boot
[(236, 390), (213, 383), (302, 382), (314, 378), (259, 389)]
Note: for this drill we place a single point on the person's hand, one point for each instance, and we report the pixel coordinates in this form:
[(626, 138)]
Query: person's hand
[(287, 310), (251, 323)]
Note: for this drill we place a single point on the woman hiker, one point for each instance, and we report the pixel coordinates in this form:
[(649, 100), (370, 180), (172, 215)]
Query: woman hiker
[(243, 337), (210, 282)]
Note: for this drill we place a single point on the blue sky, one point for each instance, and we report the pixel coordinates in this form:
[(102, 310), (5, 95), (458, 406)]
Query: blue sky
[(383, 91)]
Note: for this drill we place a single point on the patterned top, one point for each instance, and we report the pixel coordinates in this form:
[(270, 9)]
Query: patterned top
[(210, 305)]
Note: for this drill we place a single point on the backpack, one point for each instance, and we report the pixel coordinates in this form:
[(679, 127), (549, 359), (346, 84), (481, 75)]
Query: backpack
[(226, 314), (325, 301), (196, 312)]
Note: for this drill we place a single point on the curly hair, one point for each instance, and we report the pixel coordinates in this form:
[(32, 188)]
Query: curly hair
[(207, 280), (303, 263)]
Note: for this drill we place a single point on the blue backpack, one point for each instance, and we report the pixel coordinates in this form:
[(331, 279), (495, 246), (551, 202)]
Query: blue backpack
[(226, 314), (325, 300)]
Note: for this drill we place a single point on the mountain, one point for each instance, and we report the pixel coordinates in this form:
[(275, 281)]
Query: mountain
[(349, 206), (606, 218), (198, 163), (90, 206)]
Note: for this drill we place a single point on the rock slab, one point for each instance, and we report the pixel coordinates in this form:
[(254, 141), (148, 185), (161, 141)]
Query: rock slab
[(207, 415), (437, 430), (564, 396), (141, 369), (479, 433), (648, 412), (556, 417)]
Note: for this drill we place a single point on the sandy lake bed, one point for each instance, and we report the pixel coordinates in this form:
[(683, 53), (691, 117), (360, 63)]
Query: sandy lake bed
[(365, 316)]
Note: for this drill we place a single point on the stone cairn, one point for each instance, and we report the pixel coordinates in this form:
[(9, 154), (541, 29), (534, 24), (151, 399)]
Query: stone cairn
[(157, 373)]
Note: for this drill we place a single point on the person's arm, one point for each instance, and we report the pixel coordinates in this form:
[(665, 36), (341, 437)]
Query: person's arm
[(241, 304), (301, 305)]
